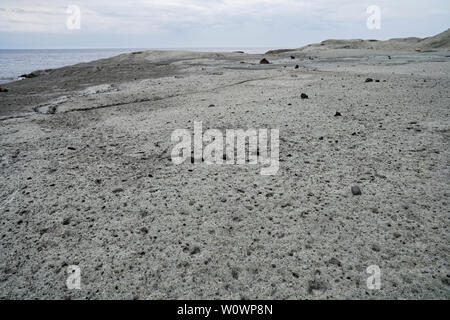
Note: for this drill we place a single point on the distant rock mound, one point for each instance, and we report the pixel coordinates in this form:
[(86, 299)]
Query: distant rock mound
[(440, 41)]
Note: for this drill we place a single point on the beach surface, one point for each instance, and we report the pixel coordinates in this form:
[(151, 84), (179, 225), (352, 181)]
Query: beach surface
[(87, 178)]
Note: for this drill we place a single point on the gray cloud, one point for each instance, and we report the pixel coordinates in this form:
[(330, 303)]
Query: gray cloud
[(201, 21)]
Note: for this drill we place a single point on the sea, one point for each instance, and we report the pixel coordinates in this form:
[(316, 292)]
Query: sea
[(15, 62)]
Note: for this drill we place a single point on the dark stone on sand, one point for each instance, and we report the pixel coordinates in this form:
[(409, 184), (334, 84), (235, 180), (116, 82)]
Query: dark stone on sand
[(304, 96), (71, 148), (3, 90), (144, 230), (377, 80), (264, 61), (143, 214), (335, 262), (321, 138), (356, 191), (338, 114), (296, 67), (292, 57), (117, 190), (211, 106), (369, 80)]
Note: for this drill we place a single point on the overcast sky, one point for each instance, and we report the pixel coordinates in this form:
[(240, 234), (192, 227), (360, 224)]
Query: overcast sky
[(212, 23)]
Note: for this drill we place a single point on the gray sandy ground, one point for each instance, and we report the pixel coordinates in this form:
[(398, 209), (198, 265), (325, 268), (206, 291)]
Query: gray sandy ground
[(86, 178)]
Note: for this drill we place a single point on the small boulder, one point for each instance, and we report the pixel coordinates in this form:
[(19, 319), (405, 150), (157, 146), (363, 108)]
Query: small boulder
[(304, 96), (28, 75), (338, 114), (264, 61), (297, 66), (376, 247), (3, 90), (356, 191), (369, 80)]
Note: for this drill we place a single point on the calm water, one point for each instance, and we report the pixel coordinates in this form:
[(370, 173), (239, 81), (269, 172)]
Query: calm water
[(14, 63)]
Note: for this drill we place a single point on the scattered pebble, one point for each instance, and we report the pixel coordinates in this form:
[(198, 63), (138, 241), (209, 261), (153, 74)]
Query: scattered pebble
[(335, 262), (338, 114), (117, 190), (144, 214), (3, 90), (264, 61), (297, 66), (356, 191), (369, 80), (304, 96)]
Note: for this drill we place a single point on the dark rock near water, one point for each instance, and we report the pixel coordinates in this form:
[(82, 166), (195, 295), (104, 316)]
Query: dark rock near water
[(29, 75)]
